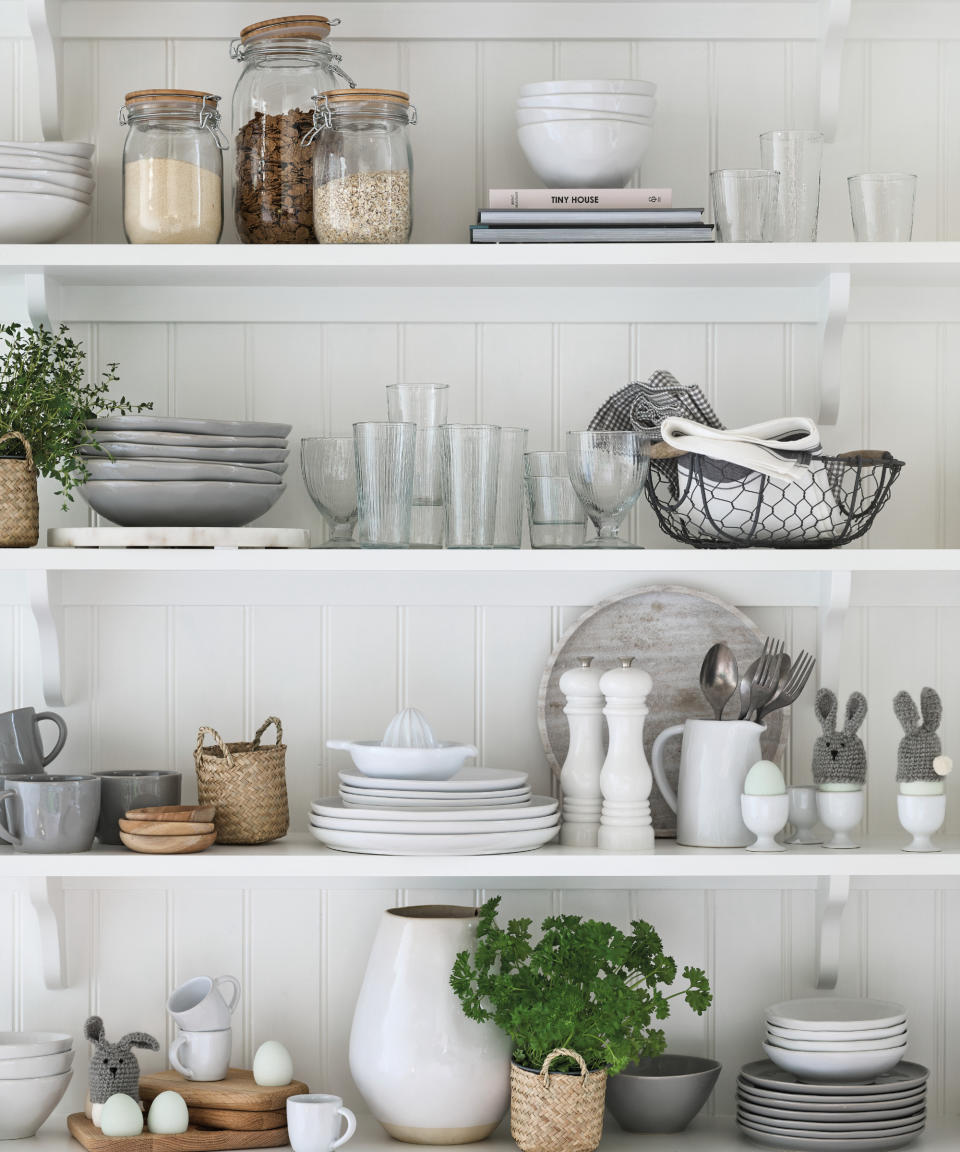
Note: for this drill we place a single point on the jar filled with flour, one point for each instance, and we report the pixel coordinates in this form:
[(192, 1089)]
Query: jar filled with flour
[(172, 167)]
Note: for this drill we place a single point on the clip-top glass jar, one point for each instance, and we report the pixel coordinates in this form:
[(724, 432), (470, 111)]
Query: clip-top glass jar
[(172, 167), (285, 65), (363, 168)]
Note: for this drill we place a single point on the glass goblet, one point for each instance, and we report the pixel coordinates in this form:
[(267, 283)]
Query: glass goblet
[(608, 471), (329, 468)]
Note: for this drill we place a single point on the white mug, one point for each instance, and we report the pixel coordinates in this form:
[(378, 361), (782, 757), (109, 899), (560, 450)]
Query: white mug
[(202, 1055), (313, 1122), (198, 1005)]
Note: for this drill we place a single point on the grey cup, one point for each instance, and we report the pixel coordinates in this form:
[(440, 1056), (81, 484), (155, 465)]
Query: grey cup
[(21, 748), (50, 813), (121, 791)]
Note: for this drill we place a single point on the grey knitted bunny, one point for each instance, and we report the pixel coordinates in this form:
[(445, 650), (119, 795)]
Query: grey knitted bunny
[(920, 747), (839, 757), (113, 1067)]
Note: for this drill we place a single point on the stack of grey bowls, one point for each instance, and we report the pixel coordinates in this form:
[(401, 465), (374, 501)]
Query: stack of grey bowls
[(177, 472)]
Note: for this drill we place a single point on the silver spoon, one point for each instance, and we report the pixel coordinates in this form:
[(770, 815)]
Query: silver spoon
[(718, 678)]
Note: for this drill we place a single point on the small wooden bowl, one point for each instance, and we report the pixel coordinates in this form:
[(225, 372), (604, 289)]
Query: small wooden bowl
[(193, 813), (167, 845), (166, 827)]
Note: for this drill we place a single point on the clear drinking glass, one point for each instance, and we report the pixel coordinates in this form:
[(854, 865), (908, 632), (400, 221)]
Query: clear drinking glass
[(385, 457), (796, 156), (329, 468), (471, 460), (881, 204), (508, 532), (745, 204), (555, 514), (426, 406), (608, 471)]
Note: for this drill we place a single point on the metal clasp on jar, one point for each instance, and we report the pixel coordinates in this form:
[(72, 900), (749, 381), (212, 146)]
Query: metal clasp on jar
[(337, 70), (321, 119), (210, 119)]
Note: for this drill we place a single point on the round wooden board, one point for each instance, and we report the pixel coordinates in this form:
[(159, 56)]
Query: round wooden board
[(166, 827), (185, 812), (668, 631), (167, 845)]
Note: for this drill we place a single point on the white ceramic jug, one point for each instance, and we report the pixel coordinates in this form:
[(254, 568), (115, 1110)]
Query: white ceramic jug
[(714, 761)]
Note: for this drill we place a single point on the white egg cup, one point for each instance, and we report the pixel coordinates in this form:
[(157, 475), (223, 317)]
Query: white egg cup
[(840, 813), (922, 816), (765, 816), (803, 815)]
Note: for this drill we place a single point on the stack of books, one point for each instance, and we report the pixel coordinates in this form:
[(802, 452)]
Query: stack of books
[(588, 216)]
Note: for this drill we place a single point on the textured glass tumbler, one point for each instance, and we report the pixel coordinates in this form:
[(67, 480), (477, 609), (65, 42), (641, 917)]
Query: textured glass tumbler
[(471, 462), (329, 469), (796, 155), (508, 531), (608, 471), (745, 204), (881, 205), (554, 512), (385, 458), (426, 406)]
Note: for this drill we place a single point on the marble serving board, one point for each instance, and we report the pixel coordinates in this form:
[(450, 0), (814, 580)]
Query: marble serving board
[(178, 538)]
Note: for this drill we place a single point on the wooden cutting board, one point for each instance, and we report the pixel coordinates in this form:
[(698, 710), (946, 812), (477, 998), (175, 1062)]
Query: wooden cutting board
[(238, 1092), (668, 631), (168, 845), (166, 827), (240, 1121), (193, 1140)]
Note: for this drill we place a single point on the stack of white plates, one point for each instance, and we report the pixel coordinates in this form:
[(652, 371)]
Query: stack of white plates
[(35, 1069), (177, 472), (778, 1110), (476, 812), (45, 189)]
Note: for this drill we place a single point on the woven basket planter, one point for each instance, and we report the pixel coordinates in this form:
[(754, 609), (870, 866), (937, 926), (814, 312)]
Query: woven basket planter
[(19, 512), (557, 1112), (247, 783)]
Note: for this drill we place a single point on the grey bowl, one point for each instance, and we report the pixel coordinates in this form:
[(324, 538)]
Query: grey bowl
[(169, 452), (180, 503), (661, 1094), (137, 423), (186, 440), (159, 470)]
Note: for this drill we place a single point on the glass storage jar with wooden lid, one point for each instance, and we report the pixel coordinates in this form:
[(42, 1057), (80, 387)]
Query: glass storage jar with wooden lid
[(172, 167), (286, 63), (363, 167)]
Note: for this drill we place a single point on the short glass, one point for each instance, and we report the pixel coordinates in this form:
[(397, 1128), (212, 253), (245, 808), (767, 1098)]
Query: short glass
[(881, 205), (796, 156), (745, 204), (554, 512), (471, 461), (426, 406), (329, 468), (385, 458), (608, 471), (508, 531)]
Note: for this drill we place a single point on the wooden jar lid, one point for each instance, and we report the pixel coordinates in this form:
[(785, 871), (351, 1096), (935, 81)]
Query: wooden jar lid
[(339, 94), (146, 95), (316, 27)]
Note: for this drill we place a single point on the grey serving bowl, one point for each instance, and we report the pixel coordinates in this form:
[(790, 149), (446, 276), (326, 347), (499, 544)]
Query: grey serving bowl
[(159, 470), (662, 1093), (121, 451), (136, 422), (180, 503)]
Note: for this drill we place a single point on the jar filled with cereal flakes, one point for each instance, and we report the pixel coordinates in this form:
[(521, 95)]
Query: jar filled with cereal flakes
[(362, 167), (286, 63)]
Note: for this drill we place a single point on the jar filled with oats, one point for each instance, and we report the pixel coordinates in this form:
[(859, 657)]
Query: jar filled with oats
[(362, 167), (286, 63)]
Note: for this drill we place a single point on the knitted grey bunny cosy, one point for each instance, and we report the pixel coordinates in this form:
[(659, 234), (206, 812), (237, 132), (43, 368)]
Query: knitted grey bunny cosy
[(920, 745), (113, 1067), (839, 757)]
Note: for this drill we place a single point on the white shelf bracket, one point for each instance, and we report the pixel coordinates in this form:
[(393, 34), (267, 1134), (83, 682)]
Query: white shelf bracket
[(43, 17), (833, 893), (835, 591), (834, 306), (46, 604), (43, 300), (46, 898), (834, 22)]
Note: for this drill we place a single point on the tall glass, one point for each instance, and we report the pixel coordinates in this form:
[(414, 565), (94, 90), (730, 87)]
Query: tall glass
[(471, 460), (554, 512), (881, 204), (796, 156), (744, 204), (608, 471), (329, 468), (385, 457), (426, 406), (508, 532)]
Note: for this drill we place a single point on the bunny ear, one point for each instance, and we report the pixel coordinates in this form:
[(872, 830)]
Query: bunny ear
[(138, 1040), (826, 710), (932, 708), (906, 712), (856, 712), (93, 1029)]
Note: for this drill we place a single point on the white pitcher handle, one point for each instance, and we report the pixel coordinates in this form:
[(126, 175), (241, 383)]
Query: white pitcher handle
[(659, 774), (351, 1127), (235, 984), (174, 1054)]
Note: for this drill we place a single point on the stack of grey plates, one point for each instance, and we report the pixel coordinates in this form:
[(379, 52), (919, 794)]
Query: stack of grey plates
[(177, 472)]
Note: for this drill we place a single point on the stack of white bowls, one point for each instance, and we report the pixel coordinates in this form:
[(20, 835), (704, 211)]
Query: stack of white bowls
[(35, 1069), (585, 133), (45, 189)]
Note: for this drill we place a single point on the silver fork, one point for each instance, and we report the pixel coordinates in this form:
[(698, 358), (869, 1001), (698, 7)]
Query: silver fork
[(758, 677), (797, 681)]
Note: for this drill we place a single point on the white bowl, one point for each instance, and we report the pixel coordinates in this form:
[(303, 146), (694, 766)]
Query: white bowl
[(15, 1045), (26, 1104), (372, 759), (818, 1045), (551, 87), (585, 153), (75, 182), (836, 1067), (30, 1067), (21, 160), (31, 218), (76, 148), (615, 102), (23, 184), (549, 115)]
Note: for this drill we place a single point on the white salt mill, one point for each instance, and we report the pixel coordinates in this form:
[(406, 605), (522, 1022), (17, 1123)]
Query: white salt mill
[(580, 777), (626, 779)]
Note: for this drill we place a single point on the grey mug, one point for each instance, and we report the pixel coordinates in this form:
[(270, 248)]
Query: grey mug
[(49, 813), (21, 749), (134, 788)]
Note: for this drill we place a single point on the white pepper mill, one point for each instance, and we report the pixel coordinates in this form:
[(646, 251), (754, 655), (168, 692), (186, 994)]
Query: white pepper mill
[(626, 779), (580, 777)]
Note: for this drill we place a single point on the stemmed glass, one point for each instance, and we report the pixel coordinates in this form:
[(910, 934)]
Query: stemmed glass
[(329, 468), (608, 471)]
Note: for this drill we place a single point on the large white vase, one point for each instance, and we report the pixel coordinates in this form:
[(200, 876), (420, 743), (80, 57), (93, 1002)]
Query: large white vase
[(428, 1073)]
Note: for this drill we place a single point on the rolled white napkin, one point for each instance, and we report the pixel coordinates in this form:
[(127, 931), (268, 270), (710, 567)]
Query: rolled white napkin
[(768, 448)]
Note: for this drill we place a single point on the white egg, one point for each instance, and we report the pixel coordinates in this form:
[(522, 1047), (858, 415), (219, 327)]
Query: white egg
[(121, 1116), (272, 1065), (764, 779), (168, 1114)]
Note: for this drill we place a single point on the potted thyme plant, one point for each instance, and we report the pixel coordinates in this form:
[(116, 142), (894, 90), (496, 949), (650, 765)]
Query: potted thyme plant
[(578, 1005)]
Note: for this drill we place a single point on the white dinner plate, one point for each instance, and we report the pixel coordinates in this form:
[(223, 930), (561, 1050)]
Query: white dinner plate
[(447, 804), (853, 1134), (479, 844), (820, 1122), (804, 1143), (401, 794), (819, 1045), (332, 808), (449, 827), (826, 1034), (836, 1067), (466, 780), (766, 1074), (835, 1014), (793, 1102)]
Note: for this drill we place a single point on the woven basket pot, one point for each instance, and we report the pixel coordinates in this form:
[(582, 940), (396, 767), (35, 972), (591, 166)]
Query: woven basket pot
[(247, 784), (558, 1112), (19, 512)]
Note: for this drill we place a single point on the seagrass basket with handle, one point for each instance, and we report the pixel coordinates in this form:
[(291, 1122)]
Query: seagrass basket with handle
[(19, 512), (247, 783), (557, 1112)]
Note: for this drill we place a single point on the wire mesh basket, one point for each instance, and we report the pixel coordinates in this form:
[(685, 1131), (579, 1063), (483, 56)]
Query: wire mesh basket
[(712, 504)]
